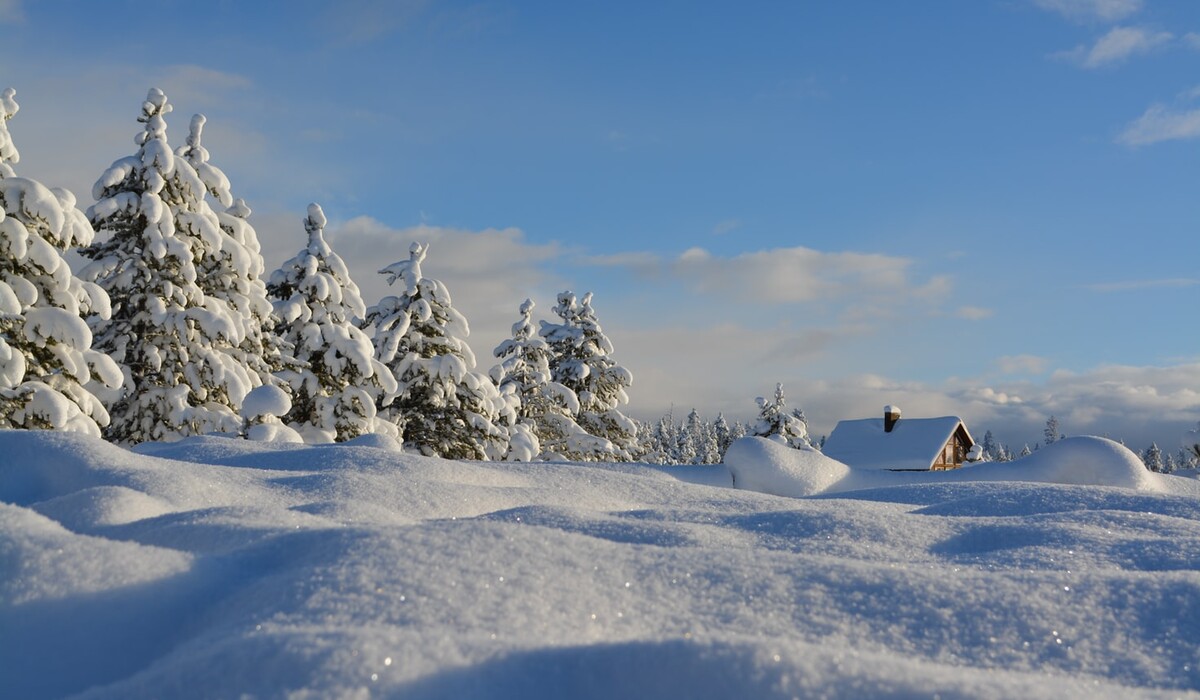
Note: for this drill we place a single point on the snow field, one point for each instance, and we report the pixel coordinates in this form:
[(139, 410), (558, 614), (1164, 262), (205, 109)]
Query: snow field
[(214, 567)]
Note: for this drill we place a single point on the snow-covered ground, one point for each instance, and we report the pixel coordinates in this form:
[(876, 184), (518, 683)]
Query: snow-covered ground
[(224, 568)]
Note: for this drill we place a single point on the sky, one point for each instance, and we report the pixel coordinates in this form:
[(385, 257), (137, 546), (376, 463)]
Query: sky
[(984, 209)]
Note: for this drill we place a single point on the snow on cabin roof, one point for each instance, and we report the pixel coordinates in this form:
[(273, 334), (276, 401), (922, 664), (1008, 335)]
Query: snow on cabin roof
[(914, 443)]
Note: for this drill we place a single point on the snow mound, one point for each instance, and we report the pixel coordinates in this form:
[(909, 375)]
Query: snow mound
[(761, 465), (266, 400), (274, 432), (90, 508), (1090, 461), (42, 561), (379, 442)]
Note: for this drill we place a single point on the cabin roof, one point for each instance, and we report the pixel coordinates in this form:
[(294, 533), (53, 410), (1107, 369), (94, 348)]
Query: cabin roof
[(914, 443)]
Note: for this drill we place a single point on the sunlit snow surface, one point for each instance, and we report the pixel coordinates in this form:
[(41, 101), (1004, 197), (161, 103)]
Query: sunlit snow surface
[(223, 568)]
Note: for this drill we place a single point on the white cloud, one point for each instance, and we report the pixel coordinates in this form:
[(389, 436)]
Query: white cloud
[(1116, 46), (1160, 123), (799, 275), (1090, 10)]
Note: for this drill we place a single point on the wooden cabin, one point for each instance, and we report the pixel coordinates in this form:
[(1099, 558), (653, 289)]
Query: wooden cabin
[(892, 444)]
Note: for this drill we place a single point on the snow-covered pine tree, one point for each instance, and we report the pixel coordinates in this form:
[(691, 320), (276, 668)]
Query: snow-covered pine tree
[(990, 448), (701, 437), (1170, 464), (1051, 431), (723, 433), (653, 448), (581, 361), (339, 383), (658, 442), (445, 407), (546, 405), (1153, 458), (688, 440), (46, 359), (168, 337), (776, 423), (234, 272)]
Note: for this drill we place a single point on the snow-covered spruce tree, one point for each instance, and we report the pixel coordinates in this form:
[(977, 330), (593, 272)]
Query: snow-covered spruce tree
[(165, 333), (446, 408), (1153, 458), (723, 433), (776, 423), (1170, 464), (698, 441), (581, 362), (687, 441), (658, 441), (990, 447), (46, 360), (233, 273), (547, 406), (338, 382), (1051, 431)]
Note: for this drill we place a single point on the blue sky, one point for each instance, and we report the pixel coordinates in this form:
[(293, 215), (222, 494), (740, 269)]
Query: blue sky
[(984, 208)]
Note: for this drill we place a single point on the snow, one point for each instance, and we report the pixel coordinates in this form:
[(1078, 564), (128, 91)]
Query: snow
[(266, 400), (767, 466), (913, 443), (217, 567)]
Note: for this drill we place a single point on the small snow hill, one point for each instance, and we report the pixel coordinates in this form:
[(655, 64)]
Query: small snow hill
[(758, 464)]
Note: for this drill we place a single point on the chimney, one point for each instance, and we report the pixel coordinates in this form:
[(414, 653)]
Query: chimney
[(891, 416)]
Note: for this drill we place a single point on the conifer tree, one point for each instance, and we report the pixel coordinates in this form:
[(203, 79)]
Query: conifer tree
[(776, 423), (547, 406), (990, 448), (582, 362), (339, 383), (687, 443), (1051, 431), (724, 434), (233, 272), (165, 333), (1153, 458), (446, 408), (46, 359)]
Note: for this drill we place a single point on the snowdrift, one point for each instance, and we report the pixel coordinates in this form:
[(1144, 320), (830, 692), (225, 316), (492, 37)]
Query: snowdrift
[(214, 567), (762, 465)]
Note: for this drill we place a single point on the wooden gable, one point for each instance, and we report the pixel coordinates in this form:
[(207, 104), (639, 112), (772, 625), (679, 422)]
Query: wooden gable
[(954, 452)]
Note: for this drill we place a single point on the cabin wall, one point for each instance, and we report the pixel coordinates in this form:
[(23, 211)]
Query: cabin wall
[(953, 454)]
